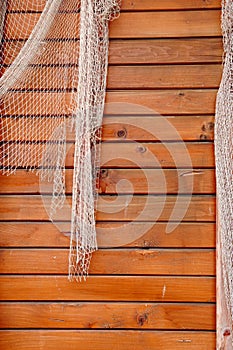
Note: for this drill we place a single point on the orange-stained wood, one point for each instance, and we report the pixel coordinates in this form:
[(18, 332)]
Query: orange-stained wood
[(121, 128), (112, 181), (116, 315), (132, 155), (128, 77), (115, 288), (129, 5), (165, 51), (130, 25), (167, 24), (98, 340), (160, 77), (112, 262), (147, 235), (111, 208), (141, 102), (143, 51), (164, 59), (168, 4)]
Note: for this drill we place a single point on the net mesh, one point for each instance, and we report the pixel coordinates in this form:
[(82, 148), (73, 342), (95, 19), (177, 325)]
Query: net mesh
[(53, 78), (224, 154)]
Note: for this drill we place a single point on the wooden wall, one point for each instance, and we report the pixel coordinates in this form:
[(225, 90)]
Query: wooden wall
[(158, 291)]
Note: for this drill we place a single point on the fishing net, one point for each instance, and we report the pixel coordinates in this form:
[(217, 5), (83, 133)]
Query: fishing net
[(54, 57), (224, 155)]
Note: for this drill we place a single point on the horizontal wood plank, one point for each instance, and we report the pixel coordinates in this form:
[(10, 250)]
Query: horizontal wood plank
[(165, 102), (39, 234), (158, 77), (111, 262), (123, 181), (128, 25), (165, 51), (100, 288), (145, 128), (122, 155), (126, 5), (148, 51), (165, 155), (127, 77), (168, 4), (108, 315), (166, 24), (110, 208), (158, 128), (96, 340)]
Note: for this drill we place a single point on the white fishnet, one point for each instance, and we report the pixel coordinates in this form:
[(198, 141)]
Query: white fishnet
[(53, 70), (224, 153)]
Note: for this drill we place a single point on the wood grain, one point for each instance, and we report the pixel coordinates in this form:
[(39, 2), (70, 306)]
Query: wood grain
[(164, 59), (153, 128), (91, 340), (128, 25), (163, 102), (128, 77), (111, 262), (158, 77), (154, 235), (143, 51), (123, 181), (108, 315), (110, 208), (127, 5), (166, 24), (165, 51), (112, 288), (140, 102), (169, 4), (126, 155)]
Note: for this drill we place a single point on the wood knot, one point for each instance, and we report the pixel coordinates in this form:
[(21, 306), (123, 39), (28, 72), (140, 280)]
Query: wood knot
[(203, 128), (141, 149), (210, 126), (103, 173), (203, 137), (141, 319), (122, 133)]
